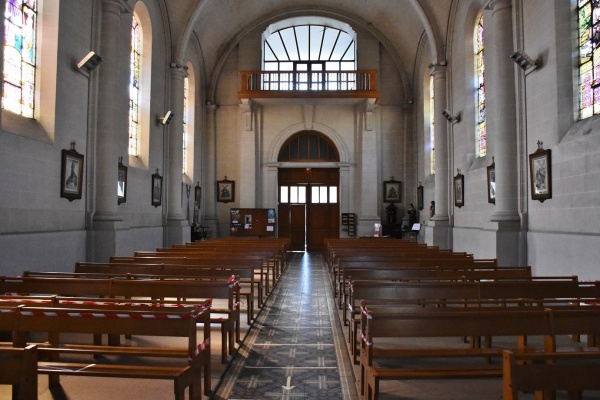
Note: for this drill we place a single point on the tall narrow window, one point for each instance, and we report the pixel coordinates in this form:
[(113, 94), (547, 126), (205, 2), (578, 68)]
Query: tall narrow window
[(432, 124), (20, 25), (480, 133), (589, 57), (185, 124), (134, 87)]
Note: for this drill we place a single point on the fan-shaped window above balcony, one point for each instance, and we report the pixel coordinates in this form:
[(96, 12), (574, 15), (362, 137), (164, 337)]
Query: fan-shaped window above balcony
[(308, 146), (309, 57)]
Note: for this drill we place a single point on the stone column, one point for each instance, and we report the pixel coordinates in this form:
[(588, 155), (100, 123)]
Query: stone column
[(440, 222), (502, 132), (247, 182), (112, 128), (210, 168), (178, 230), (369, 180)]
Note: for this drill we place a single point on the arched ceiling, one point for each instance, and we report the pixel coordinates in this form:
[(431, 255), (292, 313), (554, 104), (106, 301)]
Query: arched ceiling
[(217, 25)]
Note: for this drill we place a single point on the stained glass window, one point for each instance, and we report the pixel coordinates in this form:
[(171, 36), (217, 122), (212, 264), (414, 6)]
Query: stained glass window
[(185, 124), (20, 24), (432, 124), (480, 128), (589, 57), (134, 87)]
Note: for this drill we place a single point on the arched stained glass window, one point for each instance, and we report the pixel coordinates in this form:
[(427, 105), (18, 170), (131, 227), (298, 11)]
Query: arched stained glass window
[(432, 124), (589, 57), (480, 127), (308, 146), (134, 86), (185, 124), (20, 25)]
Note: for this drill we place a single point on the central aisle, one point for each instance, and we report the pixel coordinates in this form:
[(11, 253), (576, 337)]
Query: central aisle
[(295, 348)]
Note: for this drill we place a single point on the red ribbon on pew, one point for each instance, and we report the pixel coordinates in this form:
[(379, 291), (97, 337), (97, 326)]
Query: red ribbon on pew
[(200, 348)]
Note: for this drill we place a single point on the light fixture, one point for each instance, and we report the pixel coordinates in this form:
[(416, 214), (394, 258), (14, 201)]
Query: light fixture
[(89, 62), (524, 61), (166, 120), (451, 118)]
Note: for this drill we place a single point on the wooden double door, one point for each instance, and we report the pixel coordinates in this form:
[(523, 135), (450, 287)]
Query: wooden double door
[(309, 209)]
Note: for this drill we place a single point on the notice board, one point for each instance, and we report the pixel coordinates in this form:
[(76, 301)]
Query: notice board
[(252, 222)]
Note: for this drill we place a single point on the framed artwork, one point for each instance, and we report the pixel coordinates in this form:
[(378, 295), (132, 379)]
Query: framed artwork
[(420, 196), (225, 191), (540, 174), (491, 182), (157, 185), (459, 189), (197, 193), (71, 175), (122, 182), (392, 191)]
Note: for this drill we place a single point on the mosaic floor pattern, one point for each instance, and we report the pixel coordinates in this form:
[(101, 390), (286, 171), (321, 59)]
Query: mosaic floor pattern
[(293, 350)]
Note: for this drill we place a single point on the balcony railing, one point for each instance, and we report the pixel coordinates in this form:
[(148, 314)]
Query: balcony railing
[(272, 84)]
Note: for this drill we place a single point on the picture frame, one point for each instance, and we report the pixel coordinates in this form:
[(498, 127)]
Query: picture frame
[(420, 197), (157, 189), (392, 191), (71, 175), (540, 174), (121, 182), (225, 191), (197, 193), (459, 190), (491, 182)]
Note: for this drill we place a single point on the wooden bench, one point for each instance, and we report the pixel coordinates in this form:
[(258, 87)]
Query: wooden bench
[(545, 372), (227, 317), (189, 358), (162, 271), (442, 292), (19, 369), (445, 323)]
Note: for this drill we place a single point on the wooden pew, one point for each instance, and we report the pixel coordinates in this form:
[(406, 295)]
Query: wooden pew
[(544, 372), (206, 261), (189, 359), (19, 369), (445, 323), (162, 271), (500, 292), (228, 318)]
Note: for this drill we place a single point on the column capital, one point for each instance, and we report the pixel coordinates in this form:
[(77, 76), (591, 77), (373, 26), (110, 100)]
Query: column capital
[(496, 5), (119, 6), (435, 69)]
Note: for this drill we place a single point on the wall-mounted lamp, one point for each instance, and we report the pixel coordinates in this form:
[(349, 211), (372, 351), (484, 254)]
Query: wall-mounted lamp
[(451, 118), (524, 61), (166, 120), (89, 62)]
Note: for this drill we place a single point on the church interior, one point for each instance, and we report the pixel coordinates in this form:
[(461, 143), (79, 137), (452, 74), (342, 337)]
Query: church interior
[(298, 131)]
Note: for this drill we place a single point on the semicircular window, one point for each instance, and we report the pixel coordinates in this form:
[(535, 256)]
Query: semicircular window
[(309, 54), (308, 146)]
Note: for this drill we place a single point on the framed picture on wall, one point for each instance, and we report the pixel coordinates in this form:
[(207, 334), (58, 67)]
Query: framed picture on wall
[(225, 191), (157, 185), (197, 193), (491, 182), (420, 196), (71, 175), (392, 191), (540, 174), (122, 182), (459, 189)]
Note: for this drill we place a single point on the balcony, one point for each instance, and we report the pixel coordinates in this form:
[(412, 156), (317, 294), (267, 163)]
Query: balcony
[(353, 85)]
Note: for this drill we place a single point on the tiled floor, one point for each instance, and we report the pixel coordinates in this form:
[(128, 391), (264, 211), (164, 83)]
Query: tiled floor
[(294, 349)]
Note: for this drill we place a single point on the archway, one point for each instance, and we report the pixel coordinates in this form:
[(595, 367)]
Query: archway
[(308, 197)]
